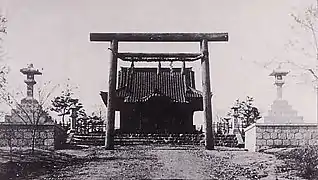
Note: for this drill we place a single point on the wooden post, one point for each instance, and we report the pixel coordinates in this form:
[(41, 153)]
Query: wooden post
[(207, 106), (110, 121)]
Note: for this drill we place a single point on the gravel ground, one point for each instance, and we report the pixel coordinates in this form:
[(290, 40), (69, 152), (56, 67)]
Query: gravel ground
[(165, 162)]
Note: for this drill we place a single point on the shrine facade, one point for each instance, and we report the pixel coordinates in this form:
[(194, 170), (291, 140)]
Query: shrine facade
[(156, 100)]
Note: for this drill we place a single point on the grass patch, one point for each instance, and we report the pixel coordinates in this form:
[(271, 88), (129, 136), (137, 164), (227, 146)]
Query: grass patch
[(26, 164), (302, 162)]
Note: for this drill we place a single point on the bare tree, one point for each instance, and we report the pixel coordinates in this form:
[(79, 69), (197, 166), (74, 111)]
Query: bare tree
[(29, 111), (3, 27), (99, 111), (308, 21), (305, 70), (3, 68), (98, 117)]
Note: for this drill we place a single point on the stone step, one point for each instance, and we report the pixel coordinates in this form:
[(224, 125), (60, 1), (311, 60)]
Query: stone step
[(77, 139), (140, 136), (90, 143), (140, 139), (133, 141), (102, 143), (146, 135), (88, 137)]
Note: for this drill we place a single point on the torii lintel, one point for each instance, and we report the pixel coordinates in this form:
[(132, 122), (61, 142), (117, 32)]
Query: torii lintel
[(159, 37)]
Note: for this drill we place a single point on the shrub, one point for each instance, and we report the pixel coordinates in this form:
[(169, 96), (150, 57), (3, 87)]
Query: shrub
[(302, 161)]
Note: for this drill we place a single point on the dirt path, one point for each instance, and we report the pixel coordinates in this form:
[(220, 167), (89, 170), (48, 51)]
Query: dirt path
[(127, 163), (170, 163), (179, 164), (202, 164)]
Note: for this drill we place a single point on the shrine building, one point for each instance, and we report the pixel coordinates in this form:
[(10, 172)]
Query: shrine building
[(156, 100)]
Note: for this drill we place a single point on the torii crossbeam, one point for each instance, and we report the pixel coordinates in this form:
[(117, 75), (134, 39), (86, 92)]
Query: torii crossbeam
[(202, 38)]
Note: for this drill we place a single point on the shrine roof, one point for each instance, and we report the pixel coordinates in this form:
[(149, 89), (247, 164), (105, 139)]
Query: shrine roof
[(144, 83)]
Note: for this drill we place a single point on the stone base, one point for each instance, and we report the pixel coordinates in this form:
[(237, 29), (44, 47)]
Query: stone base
[(282, 113), (47, 137)]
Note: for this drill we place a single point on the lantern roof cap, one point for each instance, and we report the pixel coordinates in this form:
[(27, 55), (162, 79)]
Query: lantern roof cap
[(279, 71), (30, 70)]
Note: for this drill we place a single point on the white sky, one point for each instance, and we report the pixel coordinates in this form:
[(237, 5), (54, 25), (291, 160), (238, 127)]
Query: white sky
[(54, 35)]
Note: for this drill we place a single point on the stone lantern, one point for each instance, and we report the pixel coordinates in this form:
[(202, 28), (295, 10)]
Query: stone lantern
[(29, 110), (73, 117), (227, 120), (235, 125), (281, 112), (279, 81), (30, 72)]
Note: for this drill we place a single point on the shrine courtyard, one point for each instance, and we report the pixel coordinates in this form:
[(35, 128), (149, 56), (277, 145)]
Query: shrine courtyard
[(145, 162)]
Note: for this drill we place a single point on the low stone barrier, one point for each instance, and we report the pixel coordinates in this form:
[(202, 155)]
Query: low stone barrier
[(263, 136), (47, 137)]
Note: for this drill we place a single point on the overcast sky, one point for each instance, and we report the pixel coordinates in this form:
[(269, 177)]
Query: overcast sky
[(54, 35)]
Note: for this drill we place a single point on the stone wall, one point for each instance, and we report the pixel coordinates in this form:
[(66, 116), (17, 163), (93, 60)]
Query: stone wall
[(263, 136), (47, 137)]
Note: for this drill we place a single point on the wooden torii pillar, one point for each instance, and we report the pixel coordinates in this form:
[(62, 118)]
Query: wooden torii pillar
[(202, 38)]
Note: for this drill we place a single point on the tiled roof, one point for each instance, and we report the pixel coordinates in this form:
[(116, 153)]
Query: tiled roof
[(141, 84)]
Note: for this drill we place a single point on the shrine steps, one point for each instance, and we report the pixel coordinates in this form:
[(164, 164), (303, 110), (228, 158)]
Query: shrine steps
[(138, 139), (88, 140), (144, 139), (227, 140), (98, 139)]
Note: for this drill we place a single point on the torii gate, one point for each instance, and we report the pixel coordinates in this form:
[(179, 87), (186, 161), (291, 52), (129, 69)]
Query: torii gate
[(202, 38)]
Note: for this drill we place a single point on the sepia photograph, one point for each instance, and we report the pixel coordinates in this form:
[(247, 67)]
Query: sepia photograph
[(182, 89)]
